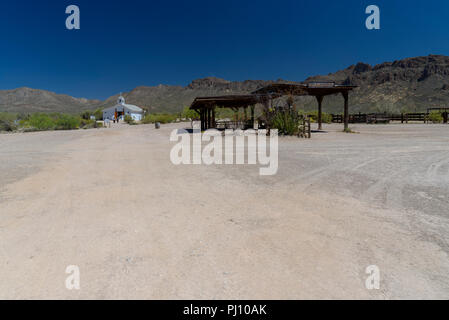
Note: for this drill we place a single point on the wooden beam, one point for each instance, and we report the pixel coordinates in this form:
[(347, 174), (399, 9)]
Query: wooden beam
[(203, 119), (209, 117), (320, 111), (252, 116), (346, 110)]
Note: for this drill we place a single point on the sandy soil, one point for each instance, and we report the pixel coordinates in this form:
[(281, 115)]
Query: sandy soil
[(111, 202)]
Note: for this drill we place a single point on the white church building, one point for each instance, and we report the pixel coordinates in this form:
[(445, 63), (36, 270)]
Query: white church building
[(121, 109)]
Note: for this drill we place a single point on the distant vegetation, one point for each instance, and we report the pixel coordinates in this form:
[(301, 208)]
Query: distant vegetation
[(435, 117), (325, 117), (7, 121), (44, 122), (60, 121), (159, 117), (286, 121)]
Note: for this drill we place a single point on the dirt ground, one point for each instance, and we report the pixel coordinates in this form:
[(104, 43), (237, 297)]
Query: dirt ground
[(111, 202)]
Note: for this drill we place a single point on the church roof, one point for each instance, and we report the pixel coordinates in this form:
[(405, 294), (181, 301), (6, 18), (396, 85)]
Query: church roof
[(121, 104)]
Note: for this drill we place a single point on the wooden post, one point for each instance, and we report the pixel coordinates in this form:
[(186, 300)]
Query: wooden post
[(203, 127), (202, 119), (309, 129), (445, 116), (214, 122), (346, 110), (252, 116), (320, 112), (266, 105), (208, 119)]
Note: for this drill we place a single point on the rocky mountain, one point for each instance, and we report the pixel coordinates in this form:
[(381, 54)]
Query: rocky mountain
[(28, 100), (412, 84), (165, 98)]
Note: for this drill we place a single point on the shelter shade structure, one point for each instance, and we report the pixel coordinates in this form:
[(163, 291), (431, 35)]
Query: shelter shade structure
[(317, 89), (205, 106)]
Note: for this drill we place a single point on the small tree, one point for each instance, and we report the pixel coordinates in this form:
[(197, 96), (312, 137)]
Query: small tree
[(98, 114), (86, 115), (192, 115)]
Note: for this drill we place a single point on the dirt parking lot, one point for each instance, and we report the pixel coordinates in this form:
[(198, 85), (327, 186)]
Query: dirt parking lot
[(111, 202)]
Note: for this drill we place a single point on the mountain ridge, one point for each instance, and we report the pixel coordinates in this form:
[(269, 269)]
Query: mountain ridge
[(411, 84)]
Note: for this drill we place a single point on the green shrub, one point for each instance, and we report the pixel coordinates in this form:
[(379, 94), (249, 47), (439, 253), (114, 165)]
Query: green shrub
[(325, 117), (286, 121), (435, 117), (7, 125), (54, 121), (129, 119), (189, 114), (86, 115), (98, 114), (88, 124), (162, 118), (67, 122), (7, 122), (41, 121)]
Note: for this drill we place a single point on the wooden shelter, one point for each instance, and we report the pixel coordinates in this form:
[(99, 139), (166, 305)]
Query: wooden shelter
[(317, 89), (205, 106)]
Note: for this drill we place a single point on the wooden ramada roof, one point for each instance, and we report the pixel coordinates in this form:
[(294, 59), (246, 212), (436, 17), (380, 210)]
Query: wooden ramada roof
[(309, 89), (231, 101), (272, 91)]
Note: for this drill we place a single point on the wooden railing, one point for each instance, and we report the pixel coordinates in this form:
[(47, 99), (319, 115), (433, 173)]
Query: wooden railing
[(381, 117)]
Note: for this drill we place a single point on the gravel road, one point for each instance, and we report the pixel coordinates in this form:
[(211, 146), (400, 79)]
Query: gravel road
[(111, 202)]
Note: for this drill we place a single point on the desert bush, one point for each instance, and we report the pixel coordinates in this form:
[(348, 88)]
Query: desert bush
[(325, 117), (162, 118), (54, 121), (86, 115), (23, 116), (88, 124), (224, 113), (286, 121), (41, 122), (129, 119), (67, 122), (189, 114), (98, 114), (7, 122), (435, 117)]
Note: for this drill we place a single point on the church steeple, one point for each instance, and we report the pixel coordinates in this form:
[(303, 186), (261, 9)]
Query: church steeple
[(121, 99)]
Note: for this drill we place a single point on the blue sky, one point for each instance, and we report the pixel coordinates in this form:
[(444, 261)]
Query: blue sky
[(124, 44)]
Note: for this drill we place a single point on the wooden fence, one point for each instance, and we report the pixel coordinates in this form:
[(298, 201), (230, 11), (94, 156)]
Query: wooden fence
[(385, 118)]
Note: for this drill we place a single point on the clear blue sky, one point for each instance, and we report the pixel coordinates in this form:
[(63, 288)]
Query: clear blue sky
[(124, 44)]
